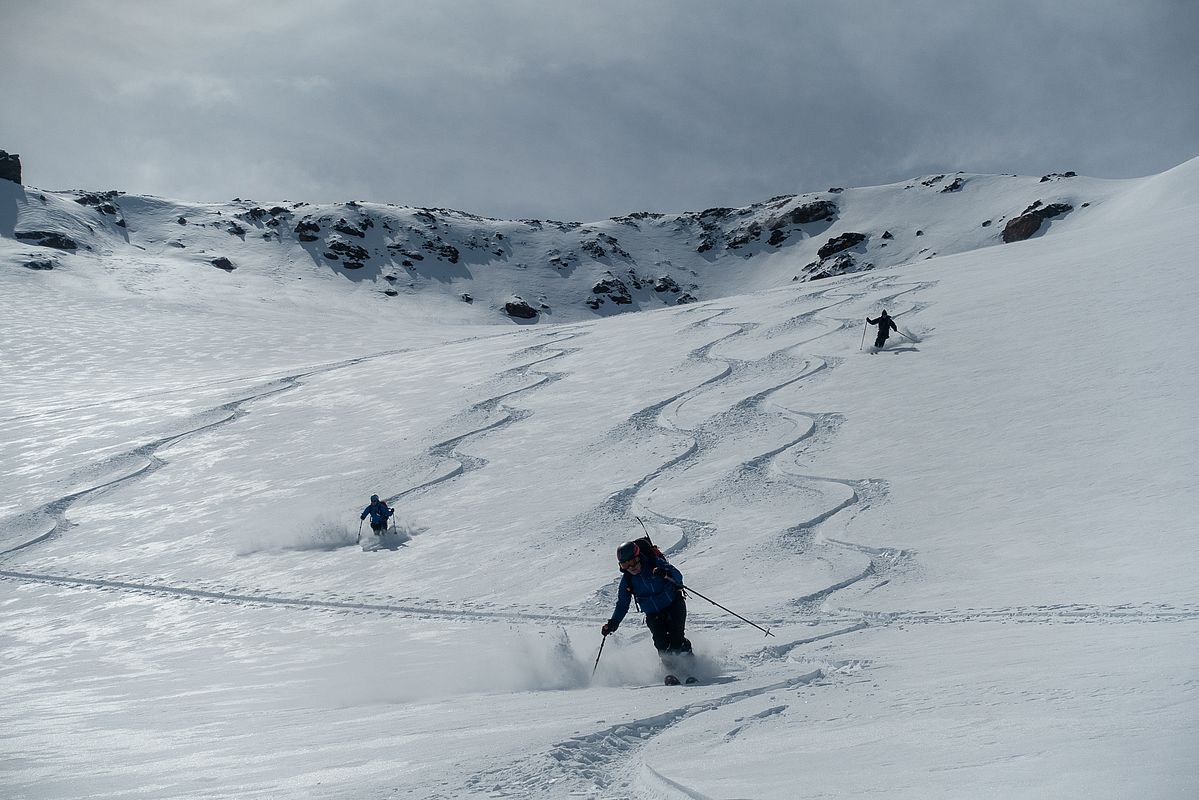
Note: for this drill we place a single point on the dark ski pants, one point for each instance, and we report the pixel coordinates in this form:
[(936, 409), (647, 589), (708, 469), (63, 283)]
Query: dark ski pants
[(667, 627), (379, 528), (880, 342)]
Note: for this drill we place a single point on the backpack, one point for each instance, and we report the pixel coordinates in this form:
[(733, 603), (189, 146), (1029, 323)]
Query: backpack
[(652, 553)]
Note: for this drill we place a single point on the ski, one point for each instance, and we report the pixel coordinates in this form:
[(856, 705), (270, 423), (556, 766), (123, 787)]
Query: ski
[(673, 680)]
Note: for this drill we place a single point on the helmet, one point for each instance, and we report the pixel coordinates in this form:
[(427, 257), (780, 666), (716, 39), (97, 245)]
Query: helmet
[(627, 552), (374, 498)]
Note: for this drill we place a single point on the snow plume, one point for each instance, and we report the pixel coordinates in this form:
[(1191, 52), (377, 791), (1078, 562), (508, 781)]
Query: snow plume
[(632, 661), (297, 529), (500, 659)]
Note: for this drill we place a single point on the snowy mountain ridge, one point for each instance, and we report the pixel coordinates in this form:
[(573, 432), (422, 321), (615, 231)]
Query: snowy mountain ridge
[(549, 270)]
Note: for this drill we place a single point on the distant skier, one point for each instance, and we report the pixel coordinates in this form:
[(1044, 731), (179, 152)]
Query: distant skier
[(379, 513), (655, 584), (885, 326)]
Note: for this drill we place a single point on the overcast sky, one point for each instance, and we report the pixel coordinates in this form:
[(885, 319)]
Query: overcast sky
[(585, 110)]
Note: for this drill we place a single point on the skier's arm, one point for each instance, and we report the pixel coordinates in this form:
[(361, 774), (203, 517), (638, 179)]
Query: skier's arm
[(872, 321), (365, 511), (622, 606)]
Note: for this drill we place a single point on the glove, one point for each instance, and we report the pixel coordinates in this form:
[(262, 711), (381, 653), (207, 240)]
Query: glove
[(660, 572), (609, 627)]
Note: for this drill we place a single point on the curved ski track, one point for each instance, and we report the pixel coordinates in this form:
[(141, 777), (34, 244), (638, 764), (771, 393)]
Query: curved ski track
[(607, 760)]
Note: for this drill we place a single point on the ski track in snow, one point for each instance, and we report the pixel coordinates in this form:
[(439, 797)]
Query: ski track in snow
[(447, 450), (610, 760), (603, 760)]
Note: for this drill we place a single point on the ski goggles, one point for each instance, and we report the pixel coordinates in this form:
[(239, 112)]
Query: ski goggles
[(630, 563)]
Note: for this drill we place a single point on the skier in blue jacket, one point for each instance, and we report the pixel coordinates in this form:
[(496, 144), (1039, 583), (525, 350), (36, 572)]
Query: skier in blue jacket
[(379, 513), (656, 585)]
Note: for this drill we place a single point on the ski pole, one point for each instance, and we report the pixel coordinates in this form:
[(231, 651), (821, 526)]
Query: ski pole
[(359, 531), (904, 335), (718, 605), (597, 656), (865, 325)]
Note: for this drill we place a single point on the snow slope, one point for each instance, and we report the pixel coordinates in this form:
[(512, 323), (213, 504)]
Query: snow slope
[(974, 548)]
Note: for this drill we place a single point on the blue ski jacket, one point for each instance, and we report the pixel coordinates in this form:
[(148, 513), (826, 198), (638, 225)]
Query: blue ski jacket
[(653, 594), (379, 512)]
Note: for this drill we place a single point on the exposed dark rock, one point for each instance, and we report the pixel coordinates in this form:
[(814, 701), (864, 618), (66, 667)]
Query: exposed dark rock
[(685, 298), (443, 250), (1056, 175), (10, 167), (843, 264), (101, 201), (467, 298), (235, 230), (352, 252), (615, 289), (516, 307), (887, 235), (839, 243), (807, 213), (39, 264), (749, 234), (182, 220), (666, 284), (47, 239), (390, 292), (306, 230), (986, 223), (777, 237), (1028, 223), (344, 227), (956, 186), (223, 263)]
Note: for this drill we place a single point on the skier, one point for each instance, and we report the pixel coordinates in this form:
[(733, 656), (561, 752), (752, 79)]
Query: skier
[(379, 512), (656, 586), (885, 326)]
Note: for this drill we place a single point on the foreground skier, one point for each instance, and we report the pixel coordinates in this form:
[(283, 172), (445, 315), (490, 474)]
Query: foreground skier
[(885, 325), (655, 585), (379, 513)]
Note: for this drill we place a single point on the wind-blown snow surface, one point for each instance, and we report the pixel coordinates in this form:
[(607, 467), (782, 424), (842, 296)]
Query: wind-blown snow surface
[(975, 549)]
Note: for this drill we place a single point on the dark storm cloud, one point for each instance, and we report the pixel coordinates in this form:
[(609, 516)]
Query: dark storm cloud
[(586, 110)]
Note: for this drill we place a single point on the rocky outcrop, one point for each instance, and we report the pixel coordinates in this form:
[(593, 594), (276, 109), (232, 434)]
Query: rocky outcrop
[(223, 263), (47, 239), (517, 307), (10, 167), (615, 289), (667, 284), (1028, 223), (839, 243)]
